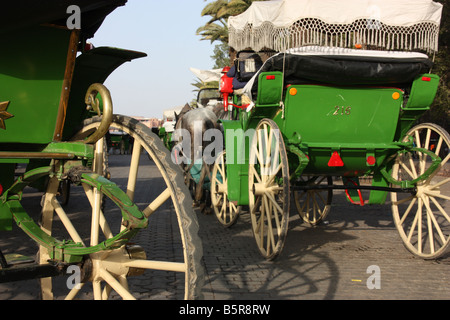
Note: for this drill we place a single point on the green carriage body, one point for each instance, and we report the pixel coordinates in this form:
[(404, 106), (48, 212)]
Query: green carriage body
[(337, 99), (55, 115), (32, 74), (44, 78), (359, 126)]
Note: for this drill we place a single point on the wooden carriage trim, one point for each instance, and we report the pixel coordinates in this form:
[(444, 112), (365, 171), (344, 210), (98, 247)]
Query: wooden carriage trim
[(67, 83)]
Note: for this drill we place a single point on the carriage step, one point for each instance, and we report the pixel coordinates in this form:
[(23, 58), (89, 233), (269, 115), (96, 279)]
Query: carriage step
[(20, 267), (14, 259)]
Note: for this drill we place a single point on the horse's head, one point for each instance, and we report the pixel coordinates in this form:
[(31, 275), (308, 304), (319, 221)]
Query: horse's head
[(179, 116)]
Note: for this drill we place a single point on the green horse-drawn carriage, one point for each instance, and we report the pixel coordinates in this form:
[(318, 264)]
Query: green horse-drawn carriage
[(338, 102), (54, 114)]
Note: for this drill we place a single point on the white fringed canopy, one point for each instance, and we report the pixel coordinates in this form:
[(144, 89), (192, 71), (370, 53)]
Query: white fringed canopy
[(374, 24)]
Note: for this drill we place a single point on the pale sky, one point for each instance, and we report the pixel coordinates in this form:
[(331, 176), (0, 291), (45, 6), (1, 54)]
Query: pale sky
[(166, 31)]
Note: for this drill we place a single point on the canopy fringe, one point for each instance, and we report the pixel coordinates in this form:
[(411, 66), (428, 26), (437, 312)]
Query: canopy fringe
[(367, 33)]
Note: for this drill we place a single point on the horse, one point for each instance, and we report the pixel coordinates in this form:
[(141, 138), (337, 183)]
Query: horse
[(195, 122)]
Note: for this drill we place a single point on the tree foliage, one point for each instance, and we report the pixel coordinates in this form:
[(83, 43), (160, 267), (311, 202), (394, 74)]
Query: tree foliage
[(439, 112), (220, 10)]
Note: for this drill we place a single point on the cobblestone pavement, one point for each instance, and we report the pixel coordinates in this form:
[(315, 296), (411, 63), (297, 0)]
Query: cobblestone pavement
[(328, 262)]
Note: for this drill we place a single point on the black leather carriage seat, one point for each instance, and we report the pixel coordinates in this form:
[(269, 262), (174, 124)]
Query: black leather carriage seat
[(348, 67)]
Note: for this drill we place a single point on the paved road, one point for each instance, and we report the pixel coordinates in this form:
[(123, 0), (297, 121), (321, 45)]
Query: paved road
[(326, 262), (329, 262)]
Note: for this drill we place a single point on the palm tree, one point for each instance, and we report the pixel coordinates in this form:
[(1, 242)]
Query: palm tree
[(214, 31), (223, 9), (220, 11)]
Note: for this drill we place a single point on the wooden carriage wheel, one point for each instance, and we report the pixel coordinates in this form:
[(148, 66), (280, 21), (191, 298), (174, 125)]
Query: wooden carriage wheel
[(269, 189), (423, 219), (226, 211), (313, 205), (116, 272)]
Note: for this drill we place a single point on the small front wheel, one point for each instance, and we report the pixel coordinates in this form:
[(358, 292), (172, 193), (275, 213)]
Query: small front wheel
[(314, 205), (227, 212)]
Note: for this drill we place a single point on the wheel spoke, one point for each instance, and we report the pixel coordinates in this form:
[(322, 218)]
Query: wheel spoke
[(441, 210), (439, 145), (256, 174), (431, 217), (273, 175), (97, 290), (95, 221), (73, 293), (404, 200), (437, 185), (152, 207), (407, 170), (66, 221), (156, 265), (408, 210), (274, 202), (430, 227), (438, 195), (134, 166), (413, 167), (317, 210), (103, 223), (416, 218), (417, 135), (124, 293)]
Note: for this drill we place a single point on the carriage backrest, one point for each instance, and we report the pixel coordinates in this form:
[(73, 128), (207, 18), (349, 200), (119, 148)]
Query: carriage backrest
[(346, 67), (32, 72), (348, 99), (247, 63)]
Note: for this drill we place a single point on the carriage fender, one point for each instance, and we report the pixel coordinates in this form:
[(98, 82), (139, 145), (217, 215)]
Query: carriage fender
[(237, 145), (423, 91)]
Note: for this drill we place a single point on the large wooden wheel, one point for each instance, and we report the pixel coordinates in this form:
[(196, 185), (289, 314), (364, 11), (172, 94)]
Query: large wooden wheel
[(226, 211), (423, 219), (269, 189), (122, 271), (313, 205)]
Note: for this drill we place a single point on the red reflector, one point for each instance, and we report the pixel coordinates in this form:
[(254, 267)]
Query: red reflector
[(270, 77), (426, 79), (335, 160), (371, 160)]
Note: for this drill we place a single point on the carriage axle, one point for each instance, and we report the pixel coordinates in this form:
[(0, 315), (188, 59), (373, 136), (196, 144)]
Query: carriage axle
[(20, 268), (412, 191)]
